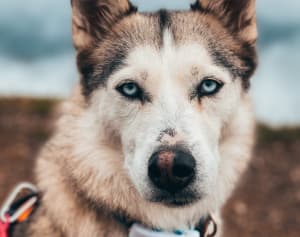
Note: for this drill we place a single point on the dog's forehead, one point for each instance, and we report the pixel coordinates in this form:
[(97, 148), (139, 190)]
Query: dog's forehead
[(185, 61)]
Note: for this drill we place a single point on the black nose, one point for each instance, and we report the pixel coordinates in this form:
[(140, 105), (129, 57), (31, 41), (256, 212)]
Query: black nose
[(171, 170)]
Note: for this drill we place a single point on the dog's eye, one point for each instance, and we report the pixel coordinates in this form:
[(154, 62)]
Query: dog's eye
[(130, 90), (209, 87)]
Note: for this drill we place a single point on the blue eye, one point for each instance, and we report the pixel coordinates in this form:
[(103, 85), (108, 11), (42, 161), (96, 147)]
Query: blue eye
[(130, 90), (209, 87)]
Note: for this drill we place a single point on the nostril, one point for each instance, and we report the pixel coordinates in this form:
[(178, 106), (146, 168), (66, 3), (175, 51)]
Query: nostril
[(154, 171), (184, 165), (182, 171)]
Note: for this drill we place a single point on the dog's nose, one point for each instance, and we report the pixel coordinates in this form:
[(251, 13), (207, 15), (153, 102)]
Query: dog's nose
[(171, 170)]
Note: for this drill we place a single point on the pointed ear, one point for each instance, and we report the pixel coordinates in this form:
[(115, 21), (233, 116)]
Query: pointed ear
[(237, 15), (92, 19)]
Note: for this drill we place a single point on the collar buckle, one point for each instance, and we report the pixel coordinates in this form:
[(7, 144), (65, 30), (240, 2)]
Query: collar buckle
[(210, 227), (13, 211)]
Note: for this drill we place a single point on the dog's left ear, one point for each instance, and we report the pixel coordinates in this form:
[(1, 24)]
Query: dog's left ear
[(93, 19), (237, 15)]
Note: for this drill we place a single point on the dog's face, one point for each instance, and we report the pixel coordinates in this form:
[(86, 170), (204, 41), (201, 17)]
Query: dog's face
[(164, 86)]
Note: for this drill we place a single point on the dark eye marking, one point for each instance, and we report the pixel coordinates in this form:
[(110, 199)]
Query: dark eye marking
[(132, 91), (209, 86)]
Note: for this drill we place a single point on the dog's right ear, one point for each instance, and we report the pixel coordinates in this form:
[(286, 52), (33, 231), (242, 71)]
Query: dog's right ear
[(92, 19)]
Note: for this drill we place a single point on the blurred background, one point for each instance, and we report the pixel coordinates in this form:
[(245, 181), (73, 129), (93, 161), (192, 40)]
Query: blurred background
[(37, 70)]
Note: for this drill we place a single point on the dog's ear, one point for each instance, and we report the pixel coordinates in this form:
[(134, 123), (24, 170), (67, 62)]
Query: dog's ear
[(237, 15), (92, 19)]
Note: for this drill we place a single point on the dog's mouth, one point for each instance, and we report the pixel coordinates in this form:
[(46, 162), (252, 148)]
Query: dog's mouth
[(176, 199)]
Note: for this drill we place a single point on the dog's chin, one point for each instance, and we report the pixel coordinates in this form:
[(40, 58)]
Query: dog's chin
[(175, 200)]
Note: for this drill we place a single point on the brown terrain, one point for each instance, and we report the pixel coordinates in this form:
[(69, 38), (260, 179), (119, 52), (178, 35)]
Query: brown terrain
[(266, 203)]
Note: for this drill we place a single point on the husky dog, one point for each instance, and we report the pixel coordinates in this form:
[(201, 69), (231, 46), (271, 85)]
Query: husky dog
[(160, 128)]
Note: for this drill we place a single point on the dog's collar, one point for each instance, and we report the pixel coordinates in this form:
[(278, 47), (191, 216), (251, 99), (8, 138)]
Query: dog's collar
[(206, 227), (16, 211), (138, 230)]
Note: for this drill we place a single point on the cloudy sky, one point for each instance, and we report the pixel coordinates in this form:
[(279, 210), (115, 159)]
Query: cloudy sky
[(37, 58)]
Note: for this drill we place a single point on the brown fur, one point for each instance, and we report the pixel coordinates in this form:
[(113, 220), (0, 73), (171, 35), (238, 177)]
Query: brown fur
[(92, 19), (236, 15)]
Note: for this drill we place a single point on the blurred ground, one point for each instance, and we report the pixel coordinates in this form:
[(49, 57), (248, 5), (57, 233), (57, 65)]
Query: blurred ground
[(267, 202)]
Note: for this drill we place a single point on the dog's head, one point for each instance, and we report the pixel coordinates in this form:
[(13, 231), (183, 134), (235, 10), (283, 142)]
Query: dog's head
[(161, 88)]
